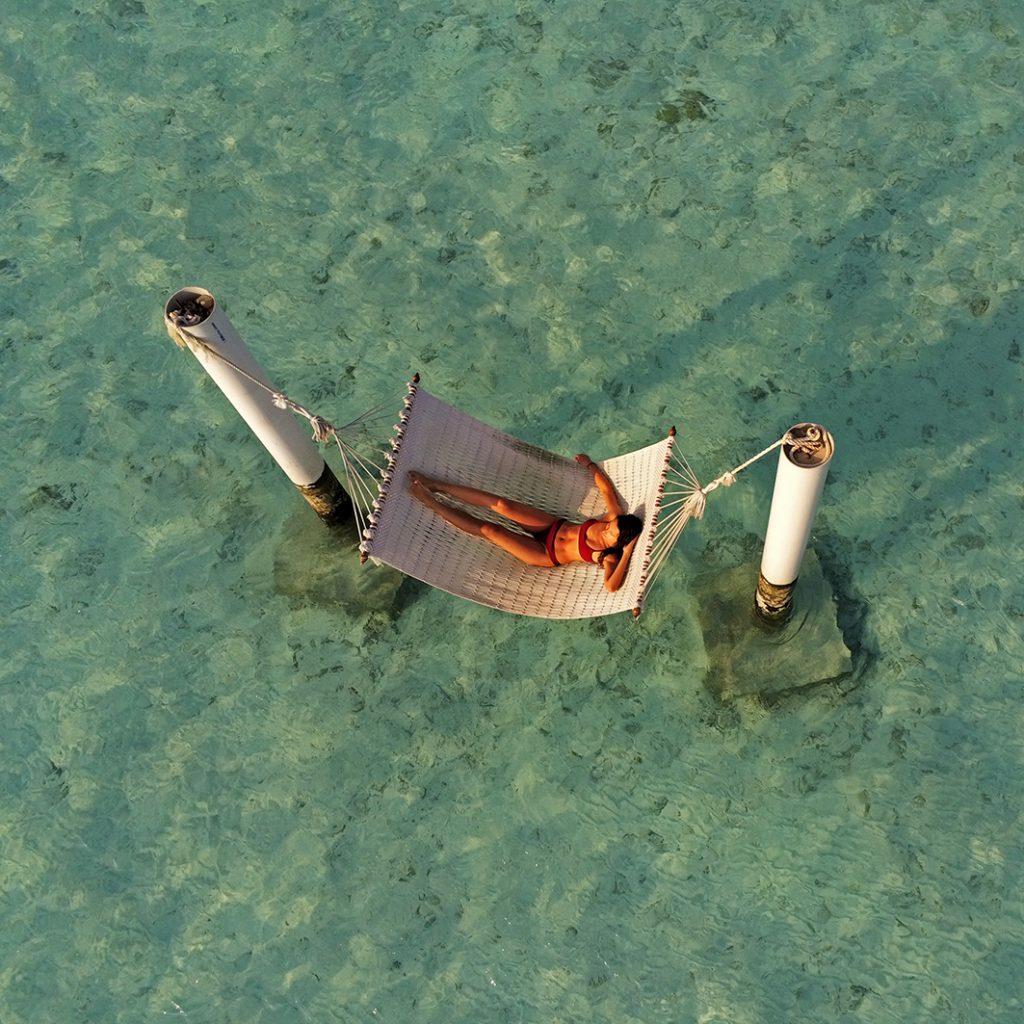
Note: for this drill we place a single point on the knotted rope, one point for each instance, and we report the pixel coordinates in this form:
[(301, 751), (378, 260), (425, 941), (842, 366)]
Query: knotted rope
[(361, 469), (808, 444), (686, 499)]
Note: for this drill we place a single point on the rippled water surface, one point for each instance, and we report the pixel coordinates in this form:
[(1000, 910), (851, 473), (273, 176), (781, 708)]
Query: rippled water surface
[(245, 780)]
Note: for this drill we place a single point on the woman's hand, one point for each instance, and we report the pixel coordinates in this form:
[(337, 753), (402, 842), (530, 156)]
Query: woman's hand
[(615, 574), (584, 460)]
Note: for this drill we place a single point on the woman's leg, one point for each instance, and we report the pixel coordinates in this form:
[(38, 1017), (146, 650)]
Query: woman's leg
[(526, 549), (519, 512)]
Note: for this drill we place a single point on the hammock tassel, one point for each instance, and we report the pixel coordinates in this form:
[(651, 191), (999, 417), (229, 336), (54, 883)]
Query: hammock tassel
[(195, 321), (804, 459), (693, 507)]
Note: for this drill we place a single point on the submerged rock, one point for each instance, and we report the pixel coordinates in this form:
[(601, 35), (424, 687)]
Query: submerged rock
[(692, 105), (314, 565)]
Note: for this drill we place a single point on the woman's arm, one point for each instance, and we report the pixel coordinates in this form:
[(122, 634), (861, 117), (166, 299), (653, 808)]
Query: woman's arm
[(604, 485), (615, 569)]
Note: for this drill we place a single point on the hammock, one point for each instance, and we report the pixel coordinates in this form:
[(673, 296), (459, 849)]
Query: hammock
[(440, 441), (656, 484)]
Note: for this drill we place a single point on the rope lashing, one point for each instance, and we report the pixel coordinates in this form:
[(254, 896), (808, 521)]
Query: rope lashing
[(694, 505), (323, 429), (808, 444), (361, 469)]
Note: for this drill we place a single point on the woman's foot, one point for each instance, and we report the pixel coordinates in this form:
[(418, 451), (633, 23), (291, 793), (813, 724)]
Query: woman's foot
[(419, 490), (427, 481)]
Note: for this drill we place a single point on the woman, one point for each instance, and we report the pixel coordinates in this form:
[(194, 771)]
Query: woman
[(607, 541)]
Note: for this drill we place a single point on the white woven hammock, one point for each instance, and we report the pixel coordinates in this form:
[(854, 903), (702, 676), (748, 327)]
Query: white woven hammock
[(656, 484), (436, 439)]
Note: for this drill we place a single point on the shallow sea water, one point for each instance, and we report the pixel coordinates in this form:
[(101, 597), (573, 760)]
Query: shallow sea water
[(244, 781)]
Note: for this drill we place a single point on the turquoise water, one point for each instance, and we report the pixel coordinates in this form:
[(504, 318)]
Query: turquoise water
[(244, 781)]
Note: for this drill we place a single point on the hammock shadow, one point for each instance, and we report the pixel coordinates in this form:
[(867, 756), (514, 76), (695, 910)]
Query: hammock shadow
[(747, 657), (314, 566)]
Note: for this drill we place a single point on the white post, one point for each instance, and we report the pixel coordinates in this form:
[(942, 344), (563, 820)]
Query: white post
[(192, 316), (803, 465)]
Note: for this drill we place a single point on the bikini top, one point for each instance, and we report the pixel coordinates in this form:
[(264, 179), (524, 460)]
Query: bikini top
[(586, 551)]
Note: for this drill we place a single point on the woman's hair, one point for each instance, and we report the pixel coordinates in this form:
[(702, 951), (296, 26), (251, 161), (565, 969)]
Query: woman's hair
[(629, 527)]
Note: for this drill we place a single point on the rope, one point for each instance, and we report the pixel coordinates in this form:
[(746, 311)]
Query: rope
[(680, 496), (684, 498), (361, 470), (323, 430), (809, 443)]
